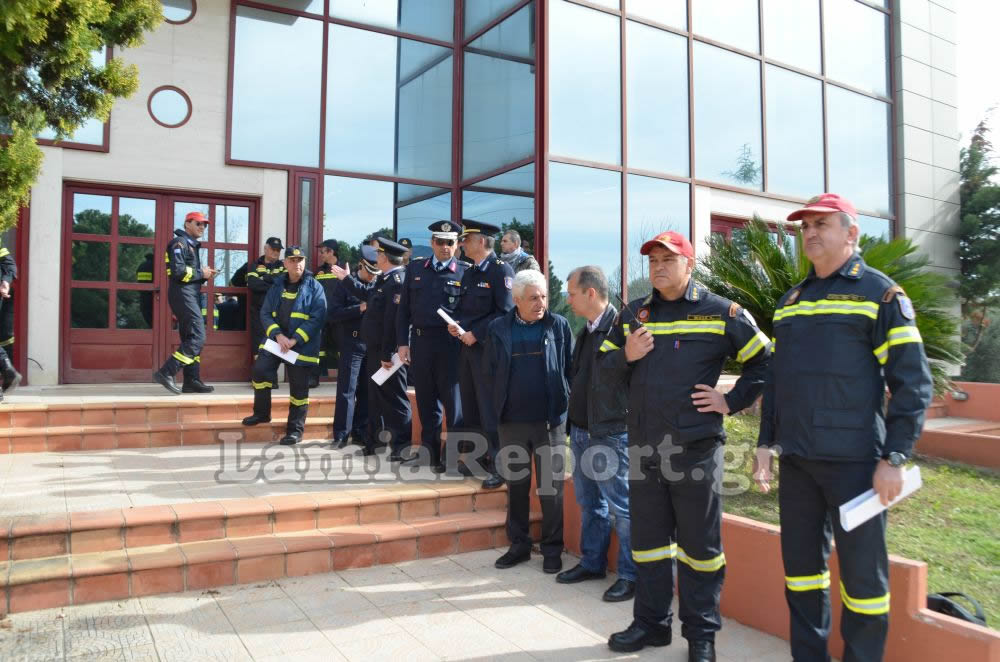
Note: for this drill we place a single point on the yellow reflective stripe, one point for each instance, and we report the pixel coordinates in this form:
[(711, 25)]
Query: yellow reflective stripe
[(752, 348), (297, 402), (305, 336), (253, 274), (183, 359), (808, 582), (301, 316), (143, 276), (656, 554), (774, 345), (8, 342), (325, 276), (4, 252), (289, 295), (308, 359), (204, 311), (608, 346), (717, 327), (271, 328), (828, 307), (197, 359), (261, 385), (709, 565), (322, 353), (274, 314), (869, 606), (899, 335), (188, 274)]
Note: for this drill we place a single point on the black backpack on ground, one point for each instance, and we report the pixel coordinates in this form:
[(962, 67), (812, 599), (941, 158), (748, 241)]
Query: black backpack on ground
[(943, 603)]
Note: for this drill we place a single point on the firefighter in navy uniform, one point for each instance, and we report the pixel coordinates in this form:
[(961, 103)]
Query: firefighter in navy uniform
[(259, 277), (8, 272), (294, 311), (185, 276), (670, 365), (393, 401), (328, 279), (842, 336), (486, 295), (423, 339), (144, 274)]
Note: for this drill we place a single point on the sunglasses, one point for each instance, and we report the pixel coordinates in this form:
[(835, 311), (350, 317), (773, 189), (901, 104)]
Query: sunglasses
[(444, 242), (200, 225)]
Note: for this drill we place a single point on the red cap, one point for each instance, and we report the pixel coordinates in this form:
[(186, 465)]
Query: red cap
[(196, 216), (673, 241), (826, 203)]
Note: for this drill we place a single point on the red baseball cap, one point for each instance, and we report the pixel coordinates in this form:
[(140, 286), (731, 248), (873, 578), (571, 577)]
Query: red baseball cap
[(826, 203), (196, 216), (673, 241)]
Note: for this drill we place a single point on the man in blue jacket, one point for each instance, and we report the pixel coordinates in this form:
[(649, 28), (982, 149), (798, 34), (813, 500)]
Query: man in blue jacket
[(529, 351), (293, 315)]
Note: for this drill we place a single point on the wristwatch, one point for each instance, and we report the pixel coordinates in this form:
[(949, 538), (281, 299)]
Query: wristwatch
[(895, 459)]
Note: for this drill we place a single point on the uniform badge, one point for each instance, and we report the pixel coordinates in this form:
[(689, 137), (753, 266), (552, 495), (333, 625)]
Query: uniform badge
[(508, 282), (643, 314), (395, 298), (446, 227), (793, 297), (906, 307), (483, 284), (451, 299), (416, 278), (398, 278)]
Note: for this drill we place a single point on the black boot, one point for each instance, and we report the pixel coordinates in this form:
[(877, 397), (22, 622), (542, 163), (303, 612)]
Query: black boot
[(313, 381), (196, 386), (290, 439), (166, 381), (11, 377), (701, 650), (250, 421), (637, 636)]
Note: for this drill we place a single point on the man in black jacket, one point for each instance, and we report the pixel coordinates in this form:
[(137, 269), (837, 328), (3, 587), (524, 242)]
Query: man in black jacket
[(599, 442), (264, 272)]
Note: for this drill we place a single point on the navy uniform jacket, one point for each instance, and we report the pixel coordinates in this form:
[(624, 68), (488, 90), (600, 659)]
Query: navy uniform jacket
[(838, 341), (260, 279), (329, 281), (426, 290), (184, 262), (344, 307), (692, 339), (308, 316), (486, 295), (392, 296)]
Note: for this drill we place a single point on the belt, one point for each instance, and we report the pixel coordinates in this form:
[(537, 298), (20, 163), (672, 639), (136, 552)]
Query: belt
[(354, 334), (430, 329)]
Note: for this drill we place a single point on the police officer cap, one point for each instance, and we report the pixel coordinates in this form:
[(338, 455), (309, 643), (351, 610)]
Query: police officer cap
[(274, 243), (390, 247), (329, 243), (295, 252), (406, 243), (444, 230), (470, 227), (368, 255)]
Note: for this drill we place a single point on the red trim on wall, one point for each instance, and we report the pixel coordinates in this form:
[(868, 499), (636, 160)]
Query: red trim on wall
[(194, 10), (187, 99)]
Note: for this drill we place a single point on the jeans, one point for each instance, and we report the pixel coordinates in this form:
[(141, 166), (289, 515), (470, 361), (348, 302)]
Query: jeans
[(600, 497)]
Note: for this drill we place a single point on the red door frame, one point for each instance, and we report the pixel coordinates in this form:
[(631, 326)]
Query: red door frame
[(20, 289)]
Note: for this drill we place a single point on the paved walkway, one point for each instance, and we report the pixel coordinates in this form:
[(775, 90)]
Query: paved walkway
[(448, 608)]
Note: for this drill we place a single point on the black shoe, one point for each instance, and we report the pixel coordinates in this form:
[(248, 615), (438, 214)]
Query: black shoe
[(465, 469), (701, 650), (290, 439), (438, 468), (274, 386), (167, 382), (552, 564), (11, 378), (255, 420), (395, 457), (511, 559), (620, 591), (314, 382), (578, 574), (492, 482), (341, 443), (637, 636), (196, 386)]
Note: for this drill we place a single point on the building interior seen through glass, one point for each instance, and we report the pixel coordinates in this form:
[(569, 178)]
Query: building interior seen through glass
[(410, 111)]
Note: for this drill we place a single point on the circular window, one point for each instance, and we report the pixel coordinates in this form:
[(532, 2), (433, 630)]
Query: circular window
[(169, 106), (179, 11)]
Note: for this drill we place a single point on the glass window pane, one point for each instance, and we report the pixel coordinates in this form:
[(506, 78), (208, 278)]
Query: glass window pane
[(136, 217), (388, 112), (584, 228), (176, 11), (791, 32), (133, 259), (91, 261), (311, 6), (88, 308), (91, 213), (504, 211), (514, 36), (480, 12), (657, 86), (732, 22), (232, 312), (859, 149), (170, 107), (353, 209), (585, 83), (794, 133), (415, 213), (610, 4), (727, 138), (306, 213), (654, 206), (277, 122), (430, 18), (182, 209), (668, 12), (520, 179), (872, 226), (91, 132), (856, 40), (134, 309), (231, 224), (227, 261)]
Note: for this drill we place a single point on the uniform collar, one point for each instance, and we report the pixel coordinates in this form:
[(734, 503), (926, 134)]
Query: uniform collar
[(482, 266), (386, 273), (695, 291), (853, 269), (185, 235), (435, 264)]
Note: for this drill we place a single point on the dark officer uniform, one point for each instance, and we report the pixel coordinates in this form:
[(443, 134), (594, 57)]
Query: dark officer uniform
[(144, 274), (344, 310), (297, 311), (680, 518), (185, 279), (328, 348), (259, 280), (433, 351), (8, 272), (486, 295), (838, 342)]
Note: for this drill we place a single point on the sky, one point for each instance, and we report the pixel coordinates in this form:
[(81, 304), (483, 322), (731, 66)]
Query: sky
[(978, 76)]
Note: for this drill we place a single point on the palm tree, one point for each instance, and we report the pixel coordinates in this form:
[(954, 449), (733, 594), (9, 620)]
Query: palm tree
[(759, 265)]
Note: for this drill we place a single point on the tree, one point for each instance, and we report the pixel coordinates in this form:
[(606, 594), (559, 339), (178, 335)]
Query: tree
[(47, 77), (979, 235), (983, 362)]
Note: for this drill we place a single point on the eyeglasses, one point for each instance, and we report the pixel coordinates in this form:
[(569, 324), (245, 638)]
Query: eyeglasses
[(200, 225), (444, 242)]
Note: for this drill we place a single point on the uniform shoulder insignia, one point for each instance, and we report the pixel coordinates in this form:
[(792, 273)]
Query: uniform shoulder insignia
[(891, 293), (793, 297), (397, 278), (905, 305), (508, 282), (735, 309)]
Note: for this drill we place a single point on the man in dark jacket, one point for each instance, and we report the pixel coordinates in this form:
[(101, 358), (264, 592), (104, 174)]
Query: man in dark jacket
[(529, 354), (599, 442), (259, 278)]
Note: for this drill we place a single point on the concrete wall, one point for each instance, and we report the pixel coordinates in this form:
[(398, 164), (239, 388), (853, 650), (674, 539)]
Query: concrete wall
[(194, 57)]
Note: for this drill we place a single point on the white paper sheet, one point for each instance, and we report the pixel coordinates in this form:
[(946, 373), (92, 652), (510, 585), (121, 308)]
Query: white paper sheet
[(448, 320), (382, 374), (867, 505), (275, 349)]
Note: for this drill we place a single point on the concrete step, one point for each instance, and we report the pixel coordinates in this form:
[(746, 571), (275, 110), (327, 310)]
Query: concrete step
[(966, 440)]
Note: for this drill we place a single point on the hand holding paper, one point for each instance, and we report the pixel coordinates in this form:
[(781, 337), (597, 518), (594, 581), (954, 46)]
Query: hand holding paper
[(383, 374), (449, 321), (280, 352), (867, 505)]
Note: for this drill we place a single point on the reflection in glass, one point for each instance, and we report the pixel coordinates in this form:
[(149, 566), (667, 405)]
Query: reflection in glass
[(514, 36), (131, 310), (88, 308), (136, 217), (668, 12), (230, 312), (91, 261), (415, 213), (584, 228), (311, 6), (277, 122), (585, 83), (430, 18), (176, 11), (91, 213), (859, 149), (859, 60), (133, 260), (231, 224), (388, 113), (519, 179), (306, 213), (227, 261), (795, 133), (169, 107), (182, 209), (872, 226), (480, 12), (353, 209), (732, 22), (504, 211), (791, 32), (91, 132), (654, 206), (656, 82), (727, 138)]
